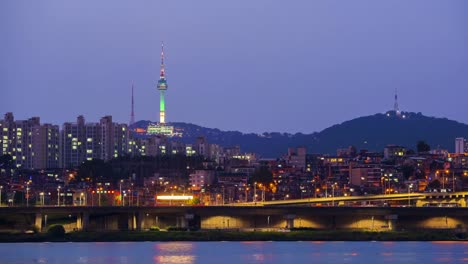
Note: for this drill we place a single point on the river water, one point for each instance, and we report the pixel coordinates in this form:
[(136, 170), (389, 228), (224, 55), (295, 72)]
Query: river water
[(235, 252)]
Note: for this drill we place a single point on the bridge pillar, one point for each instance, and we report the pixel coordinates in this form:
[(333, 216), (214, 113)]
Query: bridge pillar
[(38, 221), (391, 221), (140, 221), (183, 221), (82, 221), (289, 220), (79, 221), (132, 221), (180, 221)]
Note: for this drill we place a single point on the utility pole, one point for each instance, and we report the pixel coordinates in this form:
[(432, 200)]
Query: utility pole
[(255, 192)]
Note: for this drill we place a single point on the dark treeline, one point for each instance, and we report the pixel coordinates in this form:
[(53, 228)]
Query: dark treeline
[(138, 168)]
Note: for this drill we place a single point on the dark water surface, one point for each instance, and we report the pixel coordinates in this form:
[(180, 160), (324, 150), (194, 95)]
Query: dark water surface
[(235, 252)]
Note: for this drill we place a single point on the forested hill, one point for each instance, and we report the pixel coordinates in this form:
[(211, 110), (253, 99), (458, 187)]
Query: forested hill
[(369, 132)]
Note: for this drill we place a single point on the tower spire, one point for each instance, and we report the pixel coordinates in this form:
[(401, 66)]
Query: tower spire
[(162, 87), (396, 108), (162, 73), (132, 115)]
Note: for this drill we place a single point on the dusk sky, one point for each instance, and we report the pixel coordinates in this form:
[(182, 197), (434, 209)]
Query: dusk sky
[(251, 66)]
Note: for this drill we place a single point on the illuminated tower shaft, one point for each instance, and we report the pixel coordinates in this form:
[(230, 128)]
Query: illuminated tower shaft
[(162, 111), (162, 87)]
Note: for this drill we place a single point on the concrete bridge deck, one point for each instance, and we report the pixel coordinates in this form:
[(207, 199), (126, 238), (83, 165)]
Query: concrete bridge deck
[(420, 198), (242, 217)]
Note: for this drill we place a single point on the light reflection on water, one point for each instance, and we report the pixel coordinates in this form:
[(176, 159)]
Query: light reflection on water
[(234, 252), (174, 252)]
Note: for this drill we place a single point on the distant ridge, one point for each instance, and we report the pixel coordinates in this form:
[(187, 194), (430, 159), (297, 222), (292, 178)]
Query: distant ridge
[(369, 132)]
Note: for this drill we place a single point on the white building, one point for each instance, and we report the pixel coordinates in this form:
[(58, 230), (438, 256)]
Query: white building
[(201, 178), (461, 145)]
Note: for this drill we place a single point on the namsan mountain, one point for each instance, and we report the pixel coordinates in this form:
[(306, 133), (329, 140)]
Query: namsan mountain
[(369, 132)]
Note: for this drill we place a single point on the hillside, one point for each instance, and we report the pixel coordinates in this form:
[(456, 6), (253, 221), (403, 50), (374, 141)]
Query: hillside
[(369, 132)]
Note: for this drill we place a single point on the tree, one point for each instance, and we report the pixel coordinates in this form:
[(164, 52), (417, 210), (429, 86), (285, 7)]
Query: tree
[(94, 170), (262, 175), (407, 171), (435, 184), (422, 146), (6, 163), (56, 231)]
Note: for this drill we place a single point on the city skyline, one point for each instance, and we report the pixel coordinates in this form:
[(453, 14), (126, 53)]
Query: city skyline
[(234, 66)]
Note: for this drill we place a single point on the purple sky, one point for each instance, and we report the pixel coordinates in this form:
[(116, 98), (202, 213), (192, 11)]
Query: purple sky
[(252, 66)]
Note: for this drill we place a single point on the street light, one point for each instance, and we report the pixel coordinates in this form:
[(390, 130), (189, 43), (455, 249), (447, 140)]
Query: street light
[(27, 194), (41, 195), (58, 196), (82, 199), (1, 189), (255, 191), (223, 195), (121, 196), (99, 196), (246, 193), (453, 180), (131, 194), (409, 190), (333, 194)]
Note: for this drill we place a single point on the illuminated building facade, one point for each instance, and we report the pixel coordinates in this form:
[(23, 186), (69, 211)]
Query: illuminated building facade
[(82, 141), (30, 144), (394, 151)]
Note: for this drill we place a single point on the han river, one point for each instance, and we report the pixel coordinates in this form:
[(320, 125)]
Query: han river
[(235, 252)]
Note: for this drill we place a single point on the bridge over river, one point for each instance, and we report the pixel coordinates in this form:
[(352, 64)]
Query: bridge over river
[(234, 217)]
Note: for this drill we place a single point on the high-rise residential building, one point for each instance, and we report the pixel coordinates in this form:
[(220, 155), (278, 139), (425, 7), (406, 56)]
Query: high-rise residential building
[(297, 157), (79, 142), (82, 141), (45, 146), (461, 145), (202, 147), (30, 144)]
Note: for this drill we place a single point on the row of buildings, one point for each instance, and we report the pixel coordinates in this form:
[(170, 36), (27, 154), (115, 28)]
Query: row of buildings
[(33, 145)]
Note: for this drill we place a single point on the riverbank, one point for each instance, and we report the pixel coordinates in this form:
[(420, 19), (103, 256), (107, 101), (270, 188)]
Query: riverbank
[(300, 235)]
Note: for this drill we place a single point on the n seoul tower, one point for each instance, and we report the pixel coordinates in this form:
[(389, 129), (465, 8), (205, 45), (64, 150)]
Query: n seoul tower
[(162, 87), (162, 128)]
